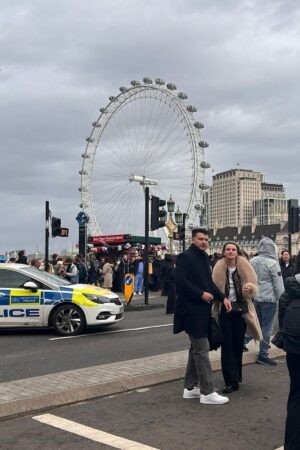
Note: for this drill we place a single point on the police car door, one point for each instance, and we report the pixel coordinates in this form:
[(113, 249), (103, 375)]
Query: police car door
[(18, 306)]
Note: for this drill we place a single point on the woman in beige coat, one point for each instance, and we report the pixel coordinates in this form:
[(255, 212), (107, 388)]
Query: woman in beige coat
[(235, 277), (107, 271)]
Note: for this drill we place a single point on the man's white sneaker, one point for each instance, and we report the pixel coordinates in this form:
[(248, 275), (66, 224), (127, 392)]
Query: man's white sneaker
[(193, 393), (213, 399)]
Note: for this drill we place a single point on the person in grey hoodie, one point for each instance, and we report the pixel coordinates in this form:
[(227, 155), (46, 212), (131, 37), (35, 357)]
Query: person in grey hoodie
[(270, 288)]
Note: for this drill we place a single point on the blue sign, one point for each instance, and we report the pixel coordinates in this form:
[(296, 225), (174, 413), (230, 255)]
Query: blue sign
[(82, 218)]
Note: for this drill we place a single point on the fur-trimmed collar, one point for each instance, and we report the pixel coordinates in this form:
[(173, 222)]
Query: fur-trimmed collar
[(245, 271)]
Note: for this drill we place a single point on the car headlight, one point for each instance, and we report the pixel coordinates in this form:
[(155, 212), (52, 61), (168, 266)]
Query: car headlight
[(97, 299)]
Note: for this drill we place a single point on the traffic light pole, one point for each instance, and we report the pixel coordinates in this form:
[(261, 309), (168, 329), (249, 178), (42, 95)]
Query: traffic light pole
[(290, 243), (183, 225), (47, 215), (146, 253)]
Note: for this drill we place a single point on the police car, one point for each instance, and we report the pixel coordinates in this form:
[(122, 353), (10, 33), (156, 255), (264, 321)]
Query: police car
[(33, 298)]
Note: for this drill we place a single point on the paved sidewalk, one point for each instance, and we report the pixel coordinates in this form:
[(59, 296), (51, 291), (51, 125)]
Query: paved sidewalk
[(155, 301), (44, 392)]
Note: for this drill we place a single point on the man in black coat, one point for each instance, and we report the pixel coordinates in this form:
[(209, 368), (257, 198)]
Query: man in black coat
[(195, 293)]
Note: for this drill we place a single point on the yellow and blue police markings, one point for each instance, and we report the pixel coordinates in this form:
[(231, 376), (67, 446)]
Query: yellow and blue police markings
[(18, 304)]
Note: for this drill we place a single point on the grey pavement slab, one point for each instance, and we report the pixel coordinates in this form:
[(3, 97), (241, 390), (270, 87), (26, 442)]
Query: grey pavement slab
[(44, 392)]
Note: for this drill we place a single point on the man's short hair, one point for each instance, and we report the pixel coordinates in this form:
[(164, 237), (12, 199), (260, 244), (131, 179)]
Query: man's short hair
[(199, 230)]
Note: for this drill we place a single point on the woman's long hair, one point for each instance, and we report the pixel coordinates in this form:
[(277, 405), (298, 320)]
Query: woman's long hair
[(239, 251)]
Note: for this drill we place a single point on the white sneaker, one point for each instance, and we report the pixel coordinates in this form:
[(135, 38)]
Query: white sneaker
[(134, 293), (140, 293), (213, 399), (193, 393)]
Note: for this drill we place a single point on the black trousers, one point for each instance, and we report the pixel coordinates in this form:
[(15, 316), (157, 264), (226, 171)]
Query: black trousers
[(292, 429), (233, 327)]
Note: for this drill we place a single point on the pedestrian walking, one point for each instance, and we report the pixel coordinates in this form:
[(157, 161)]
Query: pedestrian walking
[(107, 271), (289, 323), (168, 282), (138, 271), (195, 293), (270, 287), (286, 265), (93, 271), (71, 271), (22, 259), (236, 278)]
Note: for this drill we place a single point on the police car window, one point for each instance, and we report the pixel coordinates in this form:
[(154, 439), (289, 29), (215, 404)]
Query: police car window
[(12, 279)]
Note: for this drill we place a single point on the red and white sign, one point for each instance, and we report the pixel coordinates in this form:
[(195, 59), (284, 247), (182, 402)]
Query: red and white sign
[(110, 239)]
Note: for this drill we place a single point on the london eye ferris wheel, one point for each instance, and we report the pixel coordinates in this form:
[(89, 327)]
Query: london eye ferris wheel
[(148, 130)]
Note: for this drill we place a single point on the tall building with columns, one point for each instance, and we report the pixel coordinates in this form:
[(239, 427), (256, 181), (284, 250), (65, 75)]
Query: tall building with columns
[(238, 195)]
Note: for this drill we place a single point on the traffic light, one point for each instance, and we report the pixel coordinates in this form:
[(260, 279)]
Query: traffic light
[(55, 226), (293, 216), (158, 216)]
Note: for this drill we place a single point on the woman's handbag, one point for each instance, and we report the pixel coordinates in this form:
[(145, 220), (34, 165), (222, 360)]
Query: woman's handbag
[(240, 307), (278, 339), (215, 335)]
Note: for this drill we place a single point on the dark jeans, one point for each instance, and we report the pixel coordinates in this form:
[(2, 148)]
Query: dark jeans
[(198, 370), (233, 327), (292, 429), (265, 312)]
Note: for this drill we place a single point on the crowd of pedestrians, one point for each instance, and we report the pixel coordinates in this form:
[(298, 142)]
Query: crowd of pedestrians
[(109, 271)]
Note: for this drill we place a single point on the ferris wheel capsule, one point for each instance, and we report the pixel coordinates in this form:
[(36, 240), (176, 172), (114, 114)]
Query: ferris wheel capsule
[(112, 98), (191, 108), (171, 86), (83, 172), (159, 81), (135, 83), (96, 124), (85, 155), (205, 165), (203, 144), (90, 139), (123, 89), (182, 95), (198, 125), (147, 80), (204, 186)]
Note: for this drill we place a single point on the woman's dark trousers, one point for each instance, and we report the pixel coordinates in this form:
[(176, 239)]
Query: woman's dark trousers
[(233, 327), (292, 429)]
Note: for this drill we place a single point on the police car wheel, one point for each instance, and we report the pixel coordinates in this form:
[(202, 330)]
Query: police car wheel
[(68, 320)]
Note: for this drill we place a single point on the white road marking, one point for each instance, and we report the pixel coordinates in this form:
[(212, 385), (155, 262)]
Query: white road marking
[(104, 333), (91, 433), (279, 448)]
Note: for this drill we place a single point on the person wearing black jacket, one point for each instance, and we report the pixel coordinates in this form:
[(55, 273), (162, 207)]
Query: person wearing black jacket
[(286, 265), (195, 293), (289, 322)]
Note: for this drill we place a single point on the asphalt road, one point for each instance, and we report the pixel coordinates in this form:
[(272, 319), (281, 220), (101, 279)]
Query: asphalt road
[(159, 417), (33, 352), (28, 353)]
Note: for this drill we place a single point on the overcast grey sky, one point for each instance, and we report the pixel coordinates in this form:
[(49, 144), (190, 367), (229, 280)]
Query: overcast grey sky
[(238, 61)]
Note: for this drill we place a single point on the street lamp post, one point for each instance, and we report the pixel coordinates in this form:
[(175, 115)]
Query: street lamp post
[(145, 182), (173, 226)]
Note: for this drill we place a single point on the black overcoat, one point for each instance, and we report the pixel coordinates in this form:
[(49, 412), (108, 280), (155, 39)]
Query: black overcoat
[(193, 277)]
